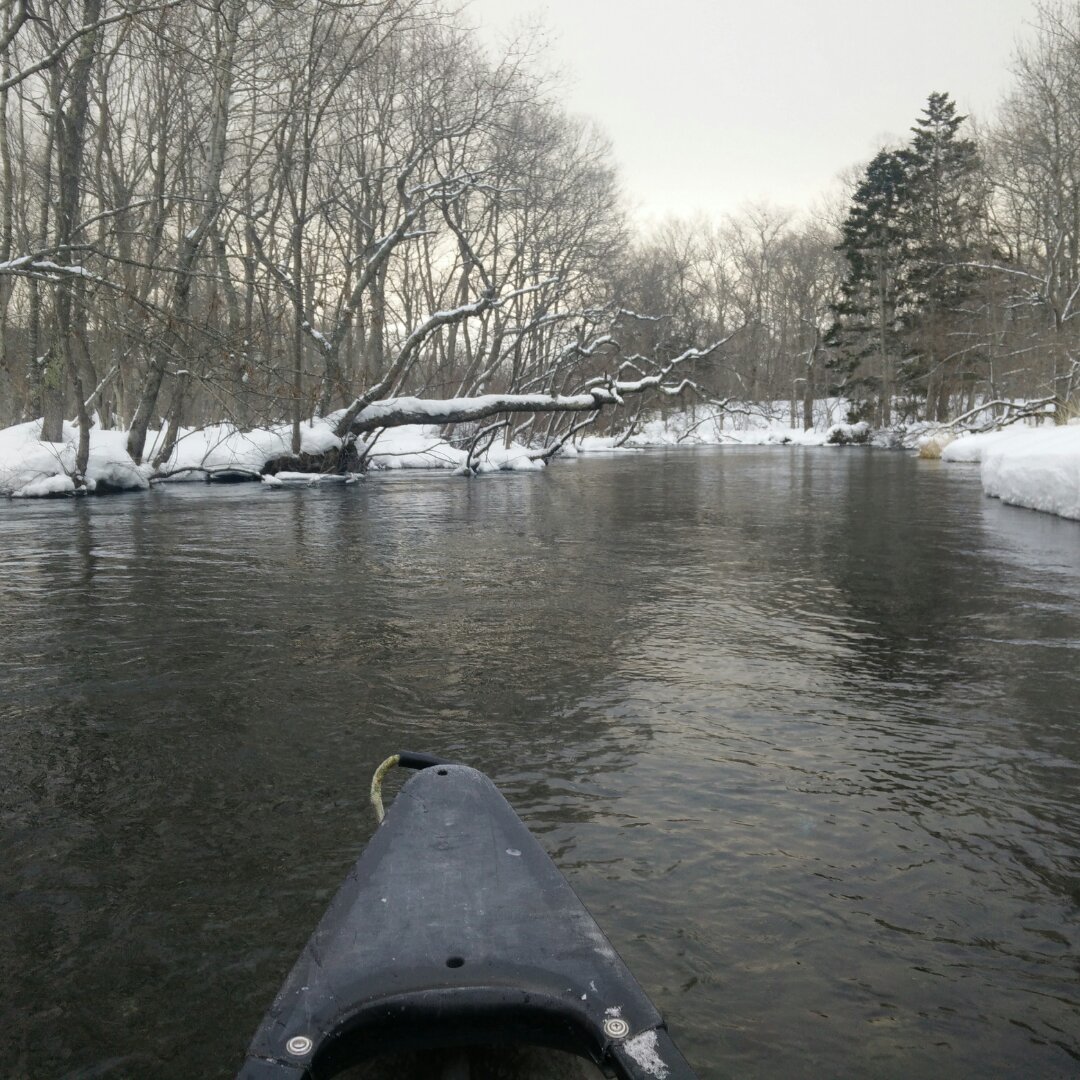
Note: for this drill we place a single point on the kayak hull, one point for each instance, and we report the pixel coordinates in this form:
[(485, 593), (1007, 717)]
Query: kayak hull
[(455, 929)]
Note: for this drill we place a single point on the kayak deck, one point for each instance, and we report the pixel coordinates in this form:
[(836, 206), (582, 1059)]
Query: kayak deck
[(455, 929)]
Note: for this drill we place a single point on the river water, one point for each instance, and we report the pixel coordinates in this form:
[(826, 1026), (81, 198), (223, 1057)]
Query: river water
[(802, 728)]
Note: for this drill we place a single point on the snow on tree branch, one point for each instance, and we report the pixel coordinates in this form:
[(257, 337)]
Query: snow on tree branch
[(395, 412)]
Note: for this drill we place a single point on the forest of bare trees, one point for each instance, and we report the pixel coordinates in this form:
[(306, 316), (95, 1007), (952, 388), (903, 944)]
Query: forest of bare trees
[(259, 212)]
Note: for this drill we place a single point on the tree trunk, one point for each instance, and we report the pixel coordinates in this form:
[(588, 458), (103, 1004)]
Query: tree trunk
[(174, 332), (808, 392), (71, 123)]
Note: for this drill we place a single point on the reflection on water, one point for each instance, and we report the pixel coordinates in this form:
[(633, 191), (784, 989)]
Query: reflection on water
[(799, 726)]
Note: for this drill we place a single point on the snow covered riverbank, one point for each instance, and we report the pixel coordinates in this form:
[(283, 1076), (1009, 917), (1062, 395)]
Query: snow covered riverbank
[(1037, 468), (30, 468), (739, 425)]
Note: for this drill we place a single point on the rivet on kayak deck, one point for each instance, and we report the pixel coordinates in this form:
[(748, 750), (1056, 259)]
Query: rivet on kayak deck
[(299, 1045), (616, 1028)]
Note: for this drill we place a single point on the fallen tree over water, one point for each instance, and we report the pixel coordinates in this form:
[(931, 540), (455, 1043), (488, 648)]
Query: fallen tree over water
[(344, 441)]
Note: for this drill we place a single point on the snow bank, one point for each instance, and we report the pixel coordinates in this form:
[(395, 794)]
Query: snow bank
[(414, 446), (29, 467), (1038, 468), (970, 448), (224, 448), (1040, 471), (681, 429), (109, 464), (738, 425)]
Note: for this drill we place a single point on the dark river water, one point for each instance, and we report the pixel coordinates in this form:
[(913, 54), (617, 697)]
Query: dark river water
[(802, 728)]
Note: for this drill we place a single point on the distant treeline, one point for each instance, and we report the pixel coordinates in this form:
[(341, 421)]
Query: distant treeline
[(257, 211)]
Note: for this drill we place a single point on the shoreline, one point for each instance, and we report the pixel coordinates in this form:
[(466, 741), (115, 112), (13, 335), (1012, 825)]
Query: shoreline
[(1037, 468)]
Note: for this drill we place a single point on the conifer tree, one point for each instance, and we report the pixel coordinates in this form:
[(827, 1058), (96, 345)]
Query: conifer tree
[(865, 336), (943, 211), (909, 240)]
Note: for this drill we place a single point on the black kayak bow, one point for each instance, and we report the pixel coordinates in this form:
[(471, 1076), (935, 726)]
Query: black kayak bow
[(455, 929)]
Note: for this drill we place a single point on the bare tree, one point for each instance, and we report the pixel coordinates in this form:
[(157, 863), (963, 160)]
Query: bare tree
[(1034, 154)]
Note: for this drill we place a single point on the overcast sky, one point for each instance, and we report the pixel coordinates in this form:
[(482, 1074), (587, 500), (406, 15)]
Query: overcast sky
[(711, 104)]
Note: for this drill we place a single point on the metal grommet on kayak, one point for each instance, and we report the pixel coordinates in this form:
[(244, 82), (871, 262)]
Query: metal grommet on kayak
[(455, 929), (299, 1046), (616, 1028)]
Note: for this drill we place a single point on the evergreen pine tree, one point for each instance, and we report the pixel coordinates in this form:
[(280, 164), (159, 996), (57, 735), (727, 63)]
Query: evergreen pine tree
[(865, 335), (943, 212), (909, 232)]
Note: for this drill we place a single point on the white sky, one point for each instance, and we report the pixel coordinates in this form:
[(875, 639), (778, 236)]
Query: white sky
[(712, 104)]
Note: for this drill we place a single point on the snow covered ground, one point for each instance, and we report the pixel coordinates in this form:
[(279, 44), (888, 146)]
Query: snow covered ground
[(1038, 468), (29, 467), (413, 447), (740, 425)]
